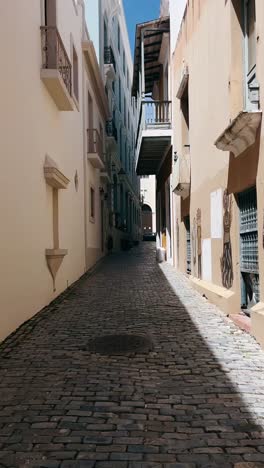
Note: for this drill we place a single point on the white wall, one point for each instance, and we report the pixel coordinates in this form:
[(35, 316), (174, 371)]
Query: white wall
[(177, 8), (31, 128)]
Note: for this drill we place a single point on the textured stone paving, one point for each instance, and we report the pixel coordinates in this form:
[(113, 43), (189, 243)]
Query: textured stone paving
[(195, 400)]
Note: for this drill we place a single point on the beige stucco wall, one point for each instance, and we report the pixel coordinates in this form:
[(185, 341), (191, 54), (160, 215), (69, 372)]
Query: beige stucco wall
[(212, 49), (31, 128)]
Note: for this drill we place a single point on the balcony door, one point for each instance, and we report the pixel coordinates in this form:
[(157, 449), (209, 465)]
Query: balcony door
[(90, 111), (50, 12), (50, 18)]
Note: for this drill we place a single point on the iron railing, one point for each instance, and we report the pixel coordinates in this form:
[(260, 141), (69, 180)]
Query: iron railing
[(54, 55), (94, 142), (109, 58), (111, 130)]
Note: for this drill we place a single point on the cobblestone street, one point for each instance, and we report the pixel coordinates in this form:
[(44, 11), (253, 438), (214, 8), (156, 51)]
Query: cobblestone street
[(194, 400)]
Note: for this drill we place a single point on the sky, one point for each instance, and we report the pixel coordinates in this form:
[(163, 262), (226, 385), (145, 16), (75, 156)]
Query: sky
[(138, 11)]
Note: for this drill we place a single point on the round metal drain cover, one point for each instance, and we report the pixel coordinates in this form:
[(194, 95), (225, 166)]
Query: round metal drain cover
[(121, 344)]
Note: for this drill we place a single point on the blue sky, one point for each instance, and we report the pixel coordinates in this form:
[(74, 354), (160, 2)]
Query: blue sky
[(138, 11)]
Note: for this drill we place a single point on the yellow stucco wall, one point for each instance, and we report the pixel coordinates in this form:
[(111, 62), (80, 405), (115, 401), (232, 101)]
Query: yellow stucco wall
[(210, 43)]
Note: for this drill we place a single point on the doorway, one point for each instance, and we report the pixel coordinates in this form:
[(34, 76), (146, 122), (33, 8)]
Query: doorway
[(147, 225)]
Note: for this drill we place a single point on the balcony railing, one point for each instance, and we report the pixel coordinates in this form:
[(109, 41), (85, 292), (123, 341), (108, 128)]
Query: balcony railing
[(94, 143), (54, 55), (154, 114), (109, 58), (111, 130)]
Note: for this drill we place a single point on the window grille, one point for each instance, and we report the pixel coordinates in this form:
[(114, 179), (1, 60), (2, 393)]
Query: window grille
[(249, 264), (188, 244)]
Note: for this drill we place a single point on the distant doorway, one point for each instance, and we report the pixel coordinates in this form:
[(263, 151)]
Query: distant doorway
[(147, 226)]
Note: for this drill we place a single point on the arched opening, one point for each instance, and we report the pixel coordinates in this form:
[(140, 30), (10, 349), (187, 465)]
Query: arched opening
[(147, 225)]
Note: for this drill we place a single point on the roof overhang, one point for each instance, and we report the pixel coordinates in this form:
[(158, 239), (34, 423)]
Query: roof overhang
[(153, 32), (153, 147), (241, 133)]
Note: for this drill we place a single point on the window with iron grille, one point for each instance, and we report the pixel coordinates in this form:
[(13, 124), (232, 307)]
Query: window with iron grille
[(249, 263), (188, 244)]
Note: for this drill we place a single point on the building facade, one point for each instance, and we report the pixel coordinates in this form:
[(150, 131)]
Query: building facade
[(60, 206), (115, 60), (217, 177), (151, 87), (206, 151)]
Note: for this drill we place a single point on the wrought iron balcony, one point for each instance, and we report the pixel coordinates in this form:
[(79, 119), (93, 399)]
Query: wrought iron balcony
[(56, 70), (111, 130), (109, 58), (95, 149)]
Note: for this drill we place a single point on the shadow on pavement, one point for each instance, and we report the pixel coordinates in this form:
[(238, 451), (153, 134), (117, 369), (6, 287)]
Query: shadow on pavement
[(175, 406)]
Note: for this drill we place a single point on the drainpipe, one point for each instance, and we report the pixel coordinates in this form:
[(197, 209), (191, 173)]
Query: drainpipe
[(142, 64)]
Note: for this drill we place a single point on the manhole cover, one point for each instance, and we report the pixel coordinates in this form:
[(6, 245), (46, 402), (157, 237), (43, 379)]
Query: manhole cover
[(121, 344)]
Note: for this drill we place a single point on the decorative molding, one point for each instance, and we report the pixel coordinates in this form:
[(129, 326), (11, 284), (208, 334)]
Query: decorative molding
[(54, 259), (184, 81), (54, 177), (56, 180), (241, 133)]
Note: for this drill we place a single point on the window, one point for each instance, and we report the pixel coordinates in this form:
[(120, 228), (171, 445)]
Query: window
[(118, 37), (250, 21), (101, 131), (50, 13), (125, 156), (124, 63), (185, 117), (75, 73), (90, 111), (119, 90), (92, 203), (105, 35), (124, 111), (120, 143), (250, 41)]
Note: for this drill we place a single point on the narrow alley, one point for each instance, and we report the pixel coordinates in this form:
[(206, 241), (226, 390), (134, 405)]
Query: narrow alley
[(176, 395)]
